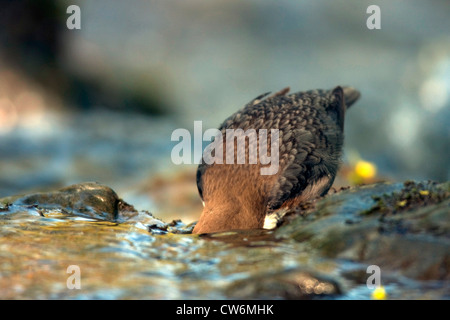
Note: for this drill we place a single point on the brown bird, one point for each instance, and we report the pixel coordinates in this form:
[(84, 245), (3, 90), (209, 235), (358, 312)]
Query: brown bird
[(308, 148)]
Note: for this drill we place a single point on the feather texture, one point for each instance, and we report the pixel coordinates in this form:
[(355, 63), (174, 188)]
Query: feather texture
[(310, 126)]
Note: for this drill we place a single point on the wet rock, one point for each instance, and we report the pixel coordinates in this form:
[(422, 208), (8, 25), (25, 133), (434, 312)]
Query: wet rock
[(411, 196), (91, 200), (175, 227), (399, 227)]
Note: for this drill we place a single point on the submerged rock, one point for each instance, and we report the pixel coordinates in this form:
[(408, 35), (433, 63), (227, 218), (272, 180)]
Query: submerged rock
[(295, 284)]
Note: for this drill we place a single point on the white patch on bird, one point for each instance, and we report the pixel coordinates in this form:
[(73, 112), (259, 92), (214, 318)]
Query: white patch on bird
[(312, 191), (270, 221), (203, 203)]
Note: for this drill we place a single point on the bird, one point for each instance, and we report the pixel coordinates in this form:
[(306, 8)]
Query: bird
[(310, 129)]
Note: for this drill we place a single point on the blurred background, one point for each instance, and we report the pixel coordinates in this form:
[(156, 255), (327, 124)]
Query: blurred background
[(100, 103)]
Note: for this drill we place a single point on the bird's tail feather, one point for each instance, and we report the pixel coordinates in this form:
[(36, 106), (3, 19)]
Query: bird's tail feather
[(351, 95)]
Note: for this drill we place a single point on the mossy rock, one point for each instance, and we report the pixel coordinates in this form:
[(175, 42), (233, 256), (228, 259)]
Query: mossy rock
[(366, 224)]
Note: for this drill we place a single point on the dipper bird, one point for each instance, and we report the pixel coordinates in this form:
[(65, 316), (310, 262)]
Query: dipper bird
[(310, 137)]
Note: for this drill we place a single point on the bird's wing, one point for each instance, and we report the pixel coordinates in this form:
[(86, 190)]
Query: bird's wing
[(306, 167), (292, 178)]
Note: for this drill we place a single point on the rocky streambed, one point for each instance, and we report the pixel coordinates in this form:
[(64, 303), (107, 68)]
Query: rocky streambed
[(321, 250)]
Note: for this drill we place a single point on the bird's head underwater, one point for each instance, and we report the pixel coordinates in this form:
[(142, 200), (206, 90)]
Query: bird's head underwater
[(302, 132)]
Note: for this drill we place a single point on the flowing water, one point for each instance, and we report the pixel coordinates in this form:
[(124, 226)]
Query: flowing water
[(129, 260)]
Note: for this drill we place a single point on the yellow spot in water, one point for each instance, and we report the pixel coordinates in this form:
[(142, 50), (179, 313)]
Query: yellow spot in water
[(424, 192), (401, 203), (365, 169), (379, 293)]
